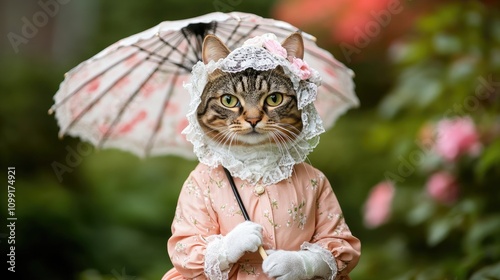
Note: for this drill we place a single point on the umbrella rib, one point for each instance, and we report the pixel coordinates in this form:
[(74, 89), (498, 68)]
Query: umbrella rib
[(107, 134), (245, 24), (280, 34), (151, 139), (244, 36), (96, 100), (92, 104), (150, 53), (176, 64), (67, 97), (153, 53), (159, 122), (340, 95), (179, 65), (329, 87), (199, 45), (175, 71), (191, 47), (233, 31), (253, 28), (264, 30), (216, 25), (122, 110), (177, 50)]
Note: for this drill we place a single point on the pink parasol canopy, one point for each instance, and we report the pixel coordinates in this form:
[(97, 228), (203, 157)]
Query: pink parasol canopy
[(131, 95)]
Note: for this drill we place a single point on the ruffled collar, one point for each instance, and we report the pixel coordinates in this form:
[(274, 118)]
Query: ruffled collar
[(265, 164)]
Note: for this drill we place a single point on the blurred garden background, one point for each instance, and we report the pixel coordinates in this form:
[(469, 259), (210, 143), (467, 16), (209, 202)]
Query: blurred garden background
[(416, 167)]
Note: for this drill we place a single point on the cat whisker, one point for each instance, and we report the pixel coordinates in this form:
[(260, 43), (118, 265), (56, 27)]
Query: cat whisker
[(287, 140), (297, 131), (284, 141), (272, 140), (281, 128), (231, 138), (219, 134), (277, 139), (222, 137)]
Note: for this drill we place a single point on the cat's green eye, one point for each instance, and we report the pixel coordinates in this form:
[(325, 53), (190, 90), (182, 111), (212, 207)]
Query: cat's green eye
[(229, 100), (274, 99)]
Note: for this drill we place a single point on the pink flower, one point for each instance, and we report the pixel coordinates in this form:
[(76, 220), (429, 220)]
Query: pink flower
[(258, 41), (456, 137), (377, 208), (275, 48), (301, 68), (442, 187)]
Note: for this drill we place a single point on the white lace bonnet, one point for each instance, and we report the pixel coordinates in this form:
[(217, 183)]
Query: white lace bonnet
[(267, 164)]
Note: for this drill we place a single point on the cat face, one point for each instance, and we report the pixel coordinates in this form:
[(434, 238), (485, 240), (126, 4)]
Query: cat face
[(250, 107)]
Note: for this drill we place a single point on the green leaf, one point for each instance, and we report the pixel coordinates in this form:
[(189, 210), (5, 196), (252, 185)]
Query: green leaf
[(490, 158), (428, 92), (417, 85), (438, 231), (410, 52), (461, 69), (495, 29), (490, 272), (480, 231), (421, 212), (446, 44), (445, 17)]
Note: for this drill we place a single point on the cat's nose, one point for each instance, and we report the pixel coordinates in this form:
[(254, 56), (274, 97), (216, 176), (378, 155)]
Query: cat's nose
[(253, 121)]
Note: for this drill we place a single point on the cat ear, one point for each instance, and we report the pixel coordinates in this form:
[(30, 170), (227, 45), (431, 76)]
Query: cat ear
[(213, 49), (294, 45)]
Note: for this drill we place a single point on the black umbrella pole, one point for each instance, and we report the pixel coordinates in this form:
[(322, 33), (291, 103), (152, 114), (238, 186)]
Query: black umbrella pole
[(262, 252)]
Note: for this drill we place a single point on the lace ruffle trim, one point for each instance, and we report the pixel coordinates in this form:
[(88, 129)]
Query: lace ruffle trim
[(216, 264), (325, 256)]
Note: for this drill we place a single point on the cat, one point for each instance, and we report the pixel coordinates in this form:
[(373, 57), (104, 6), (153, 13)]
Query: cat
[(255, 115)]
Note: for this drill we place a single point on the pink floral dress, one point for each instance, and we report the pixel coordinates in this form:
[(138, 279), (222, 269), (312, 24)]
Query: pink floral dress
[(299, 212)]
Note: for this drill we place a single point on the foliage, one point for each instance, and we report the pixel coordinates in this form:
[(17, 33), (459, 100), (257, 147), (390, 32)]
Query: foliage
[(448, 71)]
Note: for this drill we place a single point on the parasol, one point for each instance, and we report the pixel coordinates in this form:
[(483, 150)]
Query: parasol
[(131, 96)]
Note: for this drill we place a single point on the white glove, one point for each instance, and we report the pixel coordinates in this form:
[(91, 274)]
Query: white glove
[(293, 265), (245, 237)]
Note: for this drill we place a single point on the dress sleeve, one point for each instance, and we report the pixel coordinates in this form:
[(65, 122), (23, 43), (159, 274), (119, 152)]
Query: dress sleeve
[(194, 227), (332, 233)]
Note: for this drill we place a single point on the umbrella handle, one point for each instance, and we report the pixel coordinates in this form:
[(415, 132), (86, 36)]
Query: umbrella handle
[(262, 252)]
